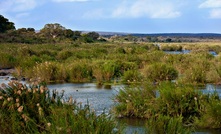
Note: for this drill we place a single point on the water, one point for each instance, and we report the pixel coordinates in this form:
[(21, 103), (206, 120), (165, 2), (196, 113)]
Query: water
[(101, 98), (187, 51)]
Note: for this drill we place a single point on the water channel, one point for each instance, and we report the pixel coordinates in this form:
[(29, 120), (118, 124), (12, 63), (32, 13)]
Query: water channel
[(101, 98)]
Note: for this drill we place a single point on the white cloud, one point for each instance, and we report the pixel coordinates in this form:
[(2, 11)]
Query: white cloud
[(146, 8), (214, 6), (210, 4), (17, 5), (215, 14)]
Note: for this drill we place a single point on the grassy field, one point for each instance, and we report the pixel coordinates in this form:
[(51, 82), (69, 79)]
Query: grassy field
[(106, 62)]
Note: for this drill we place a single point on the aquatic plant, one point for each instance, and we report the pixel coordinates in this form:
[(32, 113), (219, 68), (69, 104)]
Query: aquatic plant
[(160, 72), (36, 109)]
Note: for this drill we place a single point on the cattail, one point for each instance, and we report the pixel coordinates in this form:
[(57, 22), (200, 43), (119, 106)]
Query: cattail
[(48, 124), (9, 99), (17, 104), (195, 98), (19, 92), (42, 89), (70, 101), (20, 109), (40, 111), (24, 117), (17, 100)]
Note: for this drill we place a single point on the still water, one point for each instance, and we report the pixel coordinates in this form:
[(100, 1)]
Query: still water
[(101, 99)]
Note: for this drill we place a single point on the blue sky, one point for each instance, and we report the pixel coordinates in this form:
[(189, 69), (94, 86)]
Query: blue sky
[(132, 16)]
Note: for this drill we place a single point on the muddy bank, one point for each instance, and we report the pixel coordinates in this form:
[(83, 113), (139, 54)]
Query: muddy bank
[(4, 72)]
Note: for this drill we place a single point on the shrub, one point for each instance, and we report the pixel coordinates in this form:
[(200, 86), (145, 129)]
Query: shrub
[(7, 60), (160, 72), (196, 73), (63, 55), (177, 100), (131, 76), (210, 117), (80, 71), (135, 101)]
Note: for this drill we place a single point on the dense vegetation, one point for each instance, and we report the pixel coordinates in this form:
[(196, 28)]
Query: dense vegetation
[(163, 85), (35, 109), (106, 62)]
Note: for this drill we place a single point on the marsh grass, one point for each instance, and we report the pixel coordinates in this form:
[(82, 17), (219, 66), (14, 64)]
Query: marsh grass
[(35, 109), (166, 124), (160, 72), (169, 107)]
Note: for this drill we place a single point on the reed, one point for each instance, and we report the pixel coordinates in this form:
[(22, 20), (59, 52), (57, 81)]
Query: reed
[(36, 109)]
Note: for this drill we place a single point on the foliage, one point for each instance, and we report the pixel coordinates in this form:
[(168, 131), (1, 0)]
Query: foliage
[(135, 101), (160, 71), (171, 47), (167, 124), (170, 107), (211, 115), (5, 25), (35, 109), (131, 76), (80, 72)]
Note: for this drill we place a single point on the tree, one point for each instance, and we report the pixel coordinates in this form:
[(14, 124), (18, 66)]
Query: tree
[(5, 25), (93, 35), (52, 30)]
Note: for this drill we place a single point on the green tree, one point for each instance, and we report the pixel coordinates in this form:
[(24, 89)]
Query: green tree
[(93, 35), (5, 25), (52, 30)]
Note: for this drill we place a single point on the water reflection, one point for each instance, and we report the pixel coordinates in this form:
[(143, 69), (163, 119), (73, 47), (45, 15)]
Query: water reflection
[(101, 98)]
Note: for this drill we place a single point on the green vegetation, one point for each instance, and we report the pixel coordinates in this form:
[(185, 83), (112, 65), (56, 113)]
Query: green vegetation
[(35, 109), (168, 100), (169, 107), (106, 62)]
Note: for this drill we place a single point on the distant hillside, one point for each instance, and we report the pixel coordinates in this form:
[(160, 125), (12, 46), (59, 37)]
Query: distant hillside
[(162, 34), (180, 35)]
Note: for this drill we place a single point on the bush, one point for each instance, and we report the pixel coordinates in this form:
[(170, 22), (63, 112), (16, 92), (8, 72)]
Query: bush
[(177, 100), (160, 72), (131, 76), (135, 101), (80, 72)]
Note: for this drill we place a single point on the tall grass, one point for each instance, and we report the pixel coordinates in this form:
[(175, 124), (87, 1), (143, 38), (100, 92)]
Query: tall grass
[(169, 107), (35, 109)]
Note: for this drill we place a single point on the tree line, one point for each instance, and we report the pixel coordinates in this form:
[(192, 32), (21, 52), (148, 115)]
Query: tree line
[(50, 33)]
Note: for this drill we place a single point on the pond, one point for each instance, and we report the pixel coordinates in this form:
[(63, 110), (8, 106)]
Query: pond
[(188, 51), (101, 98)]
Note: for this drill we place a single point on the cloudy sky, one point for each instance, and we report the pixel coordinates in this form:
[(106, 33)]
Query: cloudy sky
[(133, 16)]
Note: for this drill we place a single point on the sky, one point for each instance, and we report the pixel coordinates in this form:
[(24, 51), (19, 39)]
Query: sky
[(129, 16)]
